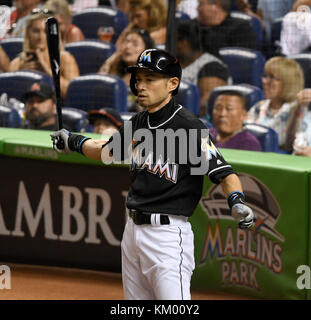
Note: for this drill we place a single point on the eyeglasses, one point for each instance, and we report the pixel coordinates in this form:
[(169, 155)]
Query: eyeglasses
[(39, 10), (269, 76)]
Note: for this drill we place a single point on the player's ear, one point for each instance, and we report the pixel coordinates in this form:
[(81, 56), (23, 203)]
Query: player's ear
[(172, 84)]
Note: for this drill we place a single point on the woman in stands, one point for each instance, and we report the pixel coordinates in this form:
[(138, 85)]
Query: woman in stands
[(282, 80), (62, 13), (35, 53), (134, 42)]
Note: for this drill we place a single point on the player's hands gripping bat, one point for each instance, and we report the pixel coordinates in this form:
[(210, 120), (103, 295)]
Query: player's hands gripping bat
[(52, 36)]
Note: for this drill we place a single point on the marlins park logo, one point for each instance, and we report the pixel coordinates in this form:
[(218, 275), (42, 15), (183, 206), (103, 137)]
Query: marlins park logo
[(243, 253)]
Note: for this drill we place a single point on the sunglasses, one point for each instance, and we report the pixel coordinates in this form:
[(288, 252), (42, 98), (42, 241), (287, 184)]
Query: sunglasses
[(39, 10)]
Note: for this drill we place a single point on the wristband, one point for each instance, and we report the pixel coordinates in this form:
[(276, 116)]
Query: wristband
[(75, 142), (235, 197)]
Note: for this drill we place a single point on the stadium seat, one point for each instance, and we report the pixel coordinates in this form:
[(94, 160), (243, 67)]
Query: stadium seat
[(267, 137), (189, 96), (251, 93), (245, 65), (90, 55), (304, 60), (95, 91), (9, 117), (255, 24), (16, 83), (12, 46), (74, 119), (276, 29), (90, 19)]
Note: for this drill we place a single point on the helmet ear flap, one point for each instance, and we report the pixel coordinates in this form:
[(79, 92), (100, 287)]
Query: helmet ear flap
[(133, 83)]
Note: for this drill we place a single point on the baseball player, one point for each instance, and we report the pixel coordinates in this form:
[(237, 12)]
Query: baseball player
[(157, 245)]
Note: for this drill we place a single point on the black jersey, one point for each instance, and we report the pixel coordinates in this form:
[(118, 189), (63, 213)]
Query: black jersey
[(160, 185)]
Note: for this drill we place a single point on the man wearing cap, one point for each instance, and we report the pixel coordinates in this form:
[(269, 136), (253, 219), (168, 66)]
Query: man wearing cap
[(40, 107), (157, 245), (105, 121)]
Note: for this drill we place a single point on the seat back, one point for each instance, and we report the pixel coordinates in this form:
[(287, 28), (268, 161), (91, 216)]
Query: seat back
[(189, 96), (252, 95), (95, 91), (12, 46), (90, 55), (16, 83), (254, 23), (304, 60), (9, 117), (74, 119), (90, 19), (267, 137), (245, 65)]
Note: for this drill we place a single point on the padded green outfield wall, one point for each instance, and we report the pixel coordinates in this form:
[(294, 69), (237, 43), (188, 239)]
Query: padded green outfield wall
[(66, 210)]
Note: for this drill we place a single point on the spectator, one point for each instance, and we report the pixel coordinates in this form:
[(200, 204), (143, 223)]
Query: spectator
[(40, 107), (229, 113), (105, 121), (4, 61), (149, 15), (134, 42), (20, 15), (282, 80), (299, 129), (245, 7), (62, 13), (202, 69), (269, 10), (35, 53), (296, 26), (188, 6), (217, 29)]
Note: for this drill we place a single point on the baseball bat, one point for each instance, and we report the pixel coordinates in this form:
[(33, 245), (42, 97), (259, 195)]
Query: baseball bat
[(52, 36)]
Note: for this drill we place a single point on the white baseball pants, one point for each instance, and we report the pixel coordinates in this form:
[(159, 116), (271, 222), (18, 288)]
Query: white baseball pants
[(157, 260)]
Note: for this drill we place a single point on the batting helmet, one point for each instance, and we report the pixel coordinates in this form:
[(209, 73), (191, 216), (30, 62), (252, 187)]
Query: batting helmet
[(155, 60)]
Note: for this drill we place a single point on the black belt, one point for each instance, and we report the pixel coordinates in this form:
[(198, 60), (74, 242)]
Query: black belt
[(139, 218)]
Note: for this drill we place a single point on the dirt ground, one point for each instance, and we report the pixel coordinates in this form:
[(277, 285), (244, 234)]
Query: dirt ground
[(50, 283)]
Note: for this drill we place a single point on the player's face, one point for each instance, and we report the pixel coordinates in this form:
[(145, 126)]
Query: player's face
[(37, 36), (132, 47), (228, 114), (153, 89)]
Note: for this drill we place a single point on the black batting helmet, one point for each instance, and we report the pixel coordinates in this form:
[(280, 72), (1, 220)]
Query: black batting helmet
[(155, 60)]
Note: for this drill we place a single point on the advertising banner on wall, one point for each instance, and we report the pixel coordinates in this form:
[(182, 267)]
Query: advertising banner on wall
[(262, 262)]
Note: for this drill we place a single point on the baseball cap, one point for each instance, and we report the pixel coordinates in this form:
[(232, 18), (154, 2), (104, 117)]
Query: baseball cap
[(107, 113), (40, 89)]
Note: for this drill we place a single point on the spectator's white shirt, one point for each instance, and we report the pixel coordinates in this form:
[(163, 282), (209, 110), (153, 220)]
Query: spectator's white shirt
[(189, 7), (296, 33), (79, 5)]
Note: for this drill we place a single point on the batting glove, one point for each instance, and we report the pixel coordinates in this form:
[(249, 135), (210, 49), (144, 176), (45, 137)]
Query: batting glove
[(243, 214), (60, 141), (239, 210)]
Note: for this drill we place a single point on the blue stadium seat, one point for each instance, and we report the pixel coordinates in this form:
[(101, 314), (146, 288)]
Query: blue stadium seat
[(16, 83), (189, 96), (255, 24), (267, 137), (276, 29), (74, 119), (251, 93), (304, 60), (90, 19), (95, 91), (12, 46), (245, 65), (9, 117), (90, 55)]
